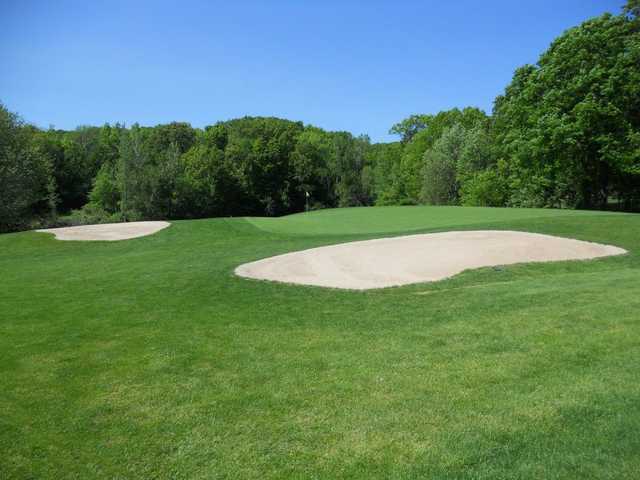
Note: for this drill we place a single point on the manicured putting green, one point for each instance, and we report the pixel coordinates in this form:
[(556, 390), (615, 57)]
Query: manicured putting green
[(367, 220)]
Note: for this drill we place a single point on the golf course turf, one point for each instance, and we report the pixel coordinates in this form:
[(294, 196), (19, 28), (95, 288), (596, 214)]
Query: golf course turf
[(148, 358)]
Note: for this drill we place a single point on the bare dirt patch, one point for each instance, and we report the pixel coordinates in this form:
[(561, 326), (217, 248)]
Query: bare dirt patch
[(409, 259), (107, 231)]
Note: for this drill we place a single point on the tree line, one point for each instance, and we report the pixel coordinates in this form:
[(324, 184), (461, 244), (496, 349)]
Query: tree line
[(565, 133)]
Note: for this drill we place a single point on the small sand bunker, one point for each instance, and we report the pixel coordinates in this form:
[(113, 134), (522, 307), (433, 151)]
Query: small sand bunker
[(396, 261), (107, 231)]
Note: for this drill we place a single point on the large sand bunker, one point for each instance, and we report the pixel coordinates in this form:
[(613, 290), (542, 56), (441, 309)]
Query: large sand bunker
[(396, 261), (107, 231)]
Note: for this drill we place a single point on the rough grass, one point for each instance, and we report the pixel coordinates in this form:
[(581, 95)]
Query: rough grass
[(147, 358)]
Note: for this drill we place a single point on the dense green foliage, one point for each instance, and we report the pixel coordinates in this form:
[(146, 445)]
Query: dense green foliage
[(570, 126), (148, 358), (565, 134), (248, 166), (26, 184)]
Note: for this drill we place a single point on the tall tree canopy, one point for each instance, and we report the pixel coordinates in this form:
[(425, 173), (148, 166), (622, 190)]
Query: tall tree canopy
[(569, 127), (27, 186), (408, 127)]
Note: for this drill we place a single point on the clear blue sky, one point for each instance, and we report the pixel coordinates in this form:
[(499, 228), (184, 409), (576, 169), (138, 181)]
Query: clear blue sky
[(342, 65)]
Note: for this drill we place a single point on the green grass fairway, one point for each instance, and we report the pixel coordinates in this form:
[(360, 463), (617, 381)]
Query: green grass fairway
[(149, 359)]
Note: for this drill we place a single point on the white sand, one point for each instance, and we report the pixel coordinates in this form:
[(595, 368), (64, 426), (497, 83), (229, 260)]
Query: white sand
[(107, 231), (395, 261)]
